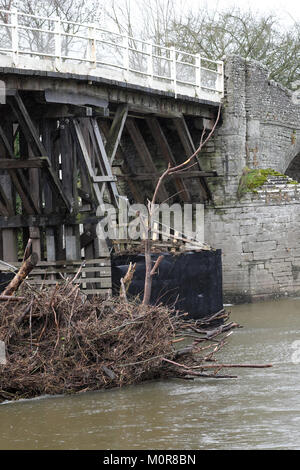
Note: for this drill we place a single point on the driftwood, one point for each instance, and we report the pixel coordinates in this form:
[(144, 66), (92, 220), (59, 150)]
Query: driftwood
[(26, 267), (9, 298), (57, 341)]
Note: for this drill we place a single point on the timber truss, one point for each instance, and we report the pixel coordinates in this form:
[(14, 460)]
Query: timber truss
[(60, 159)]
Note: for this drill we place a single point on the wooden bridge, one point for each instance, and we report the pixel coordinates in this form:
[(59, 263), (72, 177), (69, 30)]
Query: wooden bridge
[(87, 117)]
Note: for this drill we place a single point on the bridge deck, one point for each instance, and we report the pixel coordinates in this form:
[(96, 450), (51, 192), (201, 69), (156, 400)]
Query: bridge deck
[(50, 44)]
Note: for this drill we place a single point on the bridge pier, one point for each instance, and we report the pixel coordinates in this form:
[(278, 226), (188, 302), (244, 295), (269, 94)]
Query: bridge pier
[(258, 232)]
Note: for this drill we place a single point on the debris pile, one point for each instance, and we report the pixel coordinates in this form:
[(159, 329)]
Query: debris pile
[(58, 341)]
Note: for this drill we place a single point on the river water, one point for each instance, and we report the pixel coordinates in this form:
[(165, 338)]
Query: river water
[(258, 410)]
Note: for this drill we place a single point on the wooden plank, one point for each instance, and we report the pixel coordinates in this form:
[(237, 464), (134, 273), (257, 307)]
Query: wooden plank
[(104, 179), (167, 153), (115, 132), (145, 155), (100, 262), (9, 163), (24, 220), (183, 174)]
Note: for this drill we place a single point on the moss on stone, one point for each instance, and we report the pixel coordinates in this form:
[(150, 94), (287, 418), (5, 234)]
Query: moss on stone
[(253, 179)]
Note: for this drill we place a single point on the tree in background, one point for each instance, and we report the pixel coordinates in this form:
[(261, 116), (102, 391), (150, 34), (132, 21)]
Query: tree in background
[(214, 33), (263, 38)]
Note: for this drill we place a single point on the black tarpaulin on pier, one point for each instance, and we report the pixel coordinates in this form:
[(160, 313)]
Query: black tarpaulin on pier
[(192, 281)]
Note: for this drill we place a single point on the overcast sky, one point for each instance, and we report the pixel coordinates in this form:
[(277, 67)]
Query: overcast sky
[(288, 10)]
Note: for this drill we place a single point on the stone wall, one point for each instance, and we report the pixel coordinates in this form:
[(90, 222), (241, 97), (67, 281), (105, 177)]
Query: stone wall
[(260, 243), (259, 234)]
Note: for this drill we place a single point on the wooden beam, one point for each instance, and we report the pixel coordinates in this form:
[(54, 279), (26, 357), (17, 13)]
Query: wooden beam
[(166, 151), (49, 220), (85, 196), (88, 236), (115, 132), (3, 209), (189, 148), (112, 185), (26, 124), (145, 155), (7, 207), (104, 179), (85, 159), (33, 138), (186, 174), (16, 163), (18, 179), (125, 166)]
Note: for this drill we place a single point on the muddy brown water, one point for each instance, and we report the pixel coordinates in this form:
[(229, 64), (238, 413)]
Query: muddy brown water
[(259, 410)]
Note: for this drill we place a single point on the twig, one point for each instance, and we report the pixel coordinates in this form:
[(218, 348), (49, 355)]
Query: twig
[(10, 298)]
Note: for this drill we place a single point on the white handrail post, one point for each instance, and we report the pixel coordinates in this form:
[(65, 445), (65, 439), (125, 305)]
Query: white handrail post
[(173, 69), (92, 56), (198, 74), (57, 33), (150, 64), (220, 80), (126, 57), (15, 36)]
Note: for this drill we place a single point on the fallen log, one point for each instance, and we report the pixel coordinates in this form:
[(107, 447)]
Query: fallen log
[(26, 267)]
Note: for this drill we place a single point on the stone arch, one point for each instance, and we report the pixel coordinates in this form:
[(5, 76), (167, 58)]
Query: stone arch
[(292, 161), (293, 170)]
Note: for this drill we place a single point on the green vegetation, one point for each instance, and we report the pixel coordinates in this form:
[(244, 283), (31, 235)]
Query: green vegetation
[(253, 179)]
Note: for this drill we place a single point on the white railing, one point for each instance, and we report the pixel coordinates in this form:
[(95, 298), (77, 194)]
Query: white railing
[(55, 44)]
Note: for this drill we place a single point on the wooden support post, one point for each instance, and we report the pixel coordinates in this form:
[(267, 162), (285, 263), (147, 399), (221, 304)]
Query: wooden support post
[(166, 151), (106, 163), (69, 186), (9, 236), (32, 136), (115, 132), (125, 165), (144, 155), (36, 195), (48, 127), (189, 148), (18, 179)]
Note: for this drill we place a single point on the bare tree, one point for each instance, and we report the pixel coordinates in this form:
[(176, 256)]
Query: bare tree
[(71, 12), (245, 33), (171, 170), (213, 33)]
